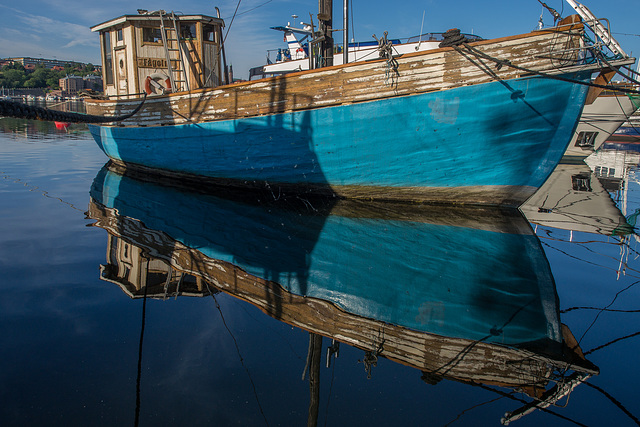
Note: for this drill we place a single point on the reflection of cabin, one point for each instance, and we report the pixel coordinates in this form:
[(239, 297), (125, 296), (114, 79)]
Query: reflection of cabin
[(132, 270), (142, 53)]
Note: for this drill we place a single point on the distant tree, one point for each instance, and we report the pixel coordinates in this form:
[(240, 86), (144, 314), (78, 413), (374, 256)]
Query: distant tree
[(53, 82), (14, 66), (37, 78), (15, 75), (12, 78)]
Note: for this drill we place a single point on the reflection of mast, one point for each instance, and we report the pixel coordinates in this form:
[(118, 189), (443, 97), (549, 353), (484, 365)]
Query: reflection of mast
[(313, 360), (144, 316)]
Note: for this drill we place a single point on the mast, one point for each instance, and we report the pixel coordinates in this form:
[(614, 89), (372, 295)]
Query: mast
[(345, 31), (325, 16)]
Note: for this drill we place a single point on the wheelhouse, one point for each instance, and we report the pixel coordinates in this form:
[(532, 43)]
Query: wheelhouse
[(161, 52)]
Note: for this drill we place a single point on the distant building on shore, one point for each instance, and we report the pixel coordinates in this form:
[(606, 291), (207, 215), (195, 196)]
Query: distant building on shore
[(71, 85), (47, 63), (32, 63)]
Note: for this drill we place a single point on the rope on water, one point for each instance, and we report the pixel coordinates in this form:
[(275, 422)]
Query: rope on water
[(32, 112)]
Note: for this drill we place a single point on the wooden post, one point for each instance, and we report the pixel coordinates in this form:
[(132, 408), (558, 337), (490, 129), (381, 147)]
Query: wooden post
[(325, 16)]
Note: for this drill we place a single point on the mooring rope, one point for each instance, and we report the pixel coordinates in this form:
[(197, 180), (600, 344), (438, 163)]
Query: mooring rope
[(385, 49), (33, 112)]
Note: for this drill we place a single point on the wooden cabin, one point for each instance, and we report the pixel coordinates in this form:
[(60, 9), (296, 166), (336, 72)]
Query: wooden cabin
[(161, 52)]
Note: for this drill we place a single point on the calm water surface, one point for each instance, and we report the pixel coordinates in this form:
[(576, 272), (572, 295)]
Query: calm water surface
[(127, 302)]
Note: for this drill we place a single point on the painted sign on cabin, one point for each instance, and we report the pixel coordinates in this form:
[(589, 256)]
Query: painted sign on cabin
[(155, 63)]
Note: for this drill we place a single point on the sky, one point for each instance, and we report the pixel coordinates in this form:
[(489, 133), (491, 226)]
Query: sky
[(59, 29)]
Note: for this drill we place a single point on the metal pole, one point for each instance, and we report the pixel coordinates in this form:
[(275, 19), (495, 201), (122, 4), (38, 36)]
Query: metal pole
[(345, 32)]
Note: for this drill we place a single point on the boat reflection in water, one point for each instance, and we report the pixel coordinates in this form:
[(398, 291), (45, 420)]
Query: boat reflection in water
[(459, 294)]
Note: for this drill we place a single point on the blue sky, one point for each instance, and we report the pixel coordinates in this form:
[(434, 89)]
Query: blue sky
[(60, 28)]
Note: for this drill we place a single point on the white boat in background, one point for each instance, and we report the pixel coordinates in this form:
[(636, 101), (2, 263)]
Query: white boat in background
[(629, 131), (613, 165), (599, 120), (295, 57), (574, 199)]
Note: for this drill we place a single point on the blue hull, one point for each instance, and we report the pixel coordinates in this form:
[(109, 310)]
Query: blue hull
[(449, 278), (501, 137)]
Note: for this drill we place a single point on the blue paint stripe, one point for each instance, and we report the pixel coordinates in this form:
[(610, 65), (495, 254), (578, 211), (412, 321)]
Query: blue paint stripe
[(499, 133)]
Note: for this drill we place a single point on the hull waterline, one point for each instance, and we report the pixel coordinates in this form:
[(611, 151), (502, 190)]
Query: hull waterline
[(488, 144)]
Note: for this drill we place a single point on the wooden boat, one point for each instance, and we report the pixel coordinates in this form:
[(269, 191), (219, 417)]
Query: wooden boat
[(479, 306), (480, 123), (295, 57)]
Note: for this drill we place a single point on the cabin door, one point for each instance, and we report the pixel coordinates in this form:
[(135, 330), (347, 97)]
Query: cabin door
[(211, 65), (193, 64), (121, 66)]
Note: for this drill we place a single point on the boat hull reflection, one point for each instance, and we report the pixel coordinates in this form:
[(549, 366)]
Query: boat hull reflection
[(461, 294)]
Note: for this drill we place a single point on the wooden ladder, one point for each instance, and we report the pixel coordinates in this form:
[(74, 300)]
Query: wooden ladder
[(603, 33), (166, 42)]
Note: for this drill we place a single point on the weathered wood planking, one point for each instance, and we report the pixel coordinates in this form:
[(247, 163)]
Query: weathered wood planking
[(421, 72), (452, 358)]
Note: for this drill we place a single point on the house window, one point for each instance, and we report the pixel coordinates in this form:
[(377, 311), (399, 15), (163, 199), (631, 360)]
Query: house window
[(151, 35), (605, 172), (108, 58), (119, 35)]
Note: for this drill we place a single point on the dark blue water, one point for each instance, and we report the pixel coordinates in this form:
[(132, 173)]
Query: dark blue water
[(80, 344)]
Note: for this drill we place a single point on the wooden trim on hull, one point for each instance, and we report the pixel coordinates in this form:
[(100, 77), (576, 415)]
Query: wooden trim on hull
[(417, 73), (506, 196)]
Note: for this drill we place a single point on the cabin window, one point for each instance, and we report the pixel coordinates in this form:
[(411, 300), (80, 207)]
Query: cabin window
[(209, 33), (581, 182), (151, 35), (108, 58), (119, 35), (586, 139), (188, 31)]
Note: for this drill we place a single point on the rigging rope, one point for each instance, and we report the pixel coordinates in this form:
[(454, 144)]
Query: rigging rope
[(235, 342), (453, 38), (231, 23), (552, 11), (499, 62), (635, 334), (32, 112), (615, 402)]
